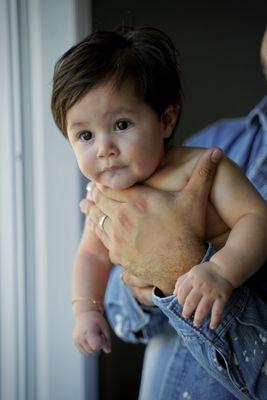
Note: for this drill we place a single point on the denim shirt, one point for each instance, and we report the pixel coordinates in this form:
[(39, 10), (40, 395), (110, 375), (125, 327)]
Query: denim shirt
[(235, 354)]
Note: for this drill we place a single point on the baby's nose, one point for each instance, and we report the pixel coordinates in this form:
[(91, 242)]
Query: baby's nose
[(106, 148)]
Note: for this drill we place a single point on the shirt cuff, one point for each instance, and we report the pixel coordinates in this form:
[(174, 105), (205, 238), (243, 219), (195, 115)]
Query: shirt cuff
[(130, 321)]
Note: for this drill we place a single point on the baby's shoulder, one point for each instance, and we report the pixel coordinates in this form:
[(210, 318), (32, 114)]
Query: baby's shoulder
[(182, 156), (175, 169)]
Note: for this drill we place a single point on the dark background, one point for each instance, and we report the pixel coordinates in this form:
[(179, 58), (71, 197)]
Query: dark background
[(219, 43)]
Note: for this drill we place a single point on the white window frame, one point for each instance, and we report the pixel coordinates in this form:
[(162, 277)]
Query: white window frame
[(40, 219)]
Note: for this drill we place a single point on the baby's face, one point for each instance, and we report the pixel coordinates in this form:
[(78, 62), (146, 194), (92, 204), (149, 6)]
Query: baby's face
[(117, 138)]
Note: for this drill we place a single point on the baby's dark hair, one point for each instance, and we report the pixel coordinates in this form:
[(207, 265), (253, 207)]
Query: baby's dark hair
[(144, 54)]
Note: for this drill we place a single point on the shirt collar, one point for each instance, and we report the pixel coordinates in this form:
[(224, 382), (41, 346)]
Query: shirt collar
[(260, 113)]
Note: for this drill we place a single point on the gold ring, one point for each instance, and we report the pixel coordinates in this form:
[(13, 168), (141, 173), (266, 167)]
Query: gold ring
[(102, 221)]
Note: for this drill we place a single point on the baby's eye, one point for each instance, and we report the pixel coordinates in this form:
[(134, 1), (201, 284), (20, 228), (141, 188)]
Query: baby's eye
[(122, 125), (85, 136)]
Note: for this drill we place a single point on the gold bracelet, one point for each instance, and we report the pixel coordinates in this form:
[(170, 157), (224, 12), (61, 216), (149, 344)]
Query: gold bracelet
[(96, 302)]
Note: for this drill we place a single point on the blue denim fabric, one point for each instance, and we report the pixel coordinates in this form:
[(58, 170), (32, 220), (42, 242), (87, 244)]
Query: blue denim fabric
[(125, 315), (235, 354), (170, 372)]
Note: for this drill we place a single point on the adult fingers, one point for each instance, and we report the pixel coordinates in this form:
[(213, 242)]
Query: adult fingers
[(96, 216), (89, 188), (107, 205), (131, 194), (201, 179), (103, 236), (117, 195), (143, 295), (85, 206), (93, 219), (140, 289), (131, 280)]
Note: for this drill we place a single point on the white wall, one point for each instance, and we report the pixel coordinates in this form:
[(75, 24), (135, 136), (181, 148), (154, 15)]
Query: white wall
[(40, 219)]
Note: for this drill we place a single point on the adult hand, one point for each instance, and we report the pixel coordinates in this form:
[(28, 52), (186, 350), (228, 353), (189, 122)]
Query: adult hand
[(155, 235), (140, 289)]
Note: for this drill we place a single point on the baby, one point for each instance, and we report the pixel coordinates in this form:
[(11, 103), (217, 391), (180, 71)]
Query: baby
[(117, 99)]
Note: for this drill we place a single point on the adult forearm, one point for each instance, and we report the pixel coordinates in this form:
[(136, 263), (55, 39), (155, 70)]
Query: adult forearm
[(177, 263)]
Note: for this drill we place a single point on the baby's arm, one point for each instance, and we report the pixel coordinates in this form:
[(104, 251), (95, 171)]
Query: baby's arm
[(90, 274), (207, 287), (245, 212)]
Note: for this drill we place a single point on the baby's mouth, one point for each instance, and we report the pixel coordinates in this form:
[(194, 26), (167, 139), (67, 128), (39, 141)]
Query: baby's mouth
[(113, 168)]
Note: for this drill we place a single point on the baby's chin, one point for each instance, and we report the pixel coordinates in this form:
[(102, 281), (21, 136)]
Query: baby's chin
[(118, 184)]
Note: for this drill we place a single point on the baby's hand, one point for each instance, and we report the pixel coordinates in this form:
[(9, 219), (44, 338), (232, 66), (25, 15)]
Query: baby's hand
[(202, 290), (91, 333)]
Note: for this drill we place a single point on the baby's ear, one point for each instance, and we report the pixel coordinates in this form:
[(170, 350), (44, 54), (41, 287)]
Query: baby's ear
[(169, 119)]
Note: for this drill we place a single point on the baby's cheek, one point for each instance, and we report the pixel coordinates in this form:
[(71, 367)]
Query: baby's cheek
[(137, 161), (87, 169), (146, 167)]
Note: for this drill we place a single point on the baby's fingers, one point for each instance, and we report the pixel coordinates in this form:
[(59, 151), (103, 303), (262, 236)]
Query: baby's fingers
[(191, 303), (203, 308), (82, 346), (106, 340), (178, 284), (81, 349), (184, 288), (216, 313), (96, 341), (106, 345)]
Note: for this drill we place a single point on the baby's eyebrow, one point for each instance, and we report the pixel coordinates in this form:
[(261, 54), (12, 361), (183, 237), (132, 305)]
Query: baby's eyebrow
[(77, 125), (119, 110), (123, 110)]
